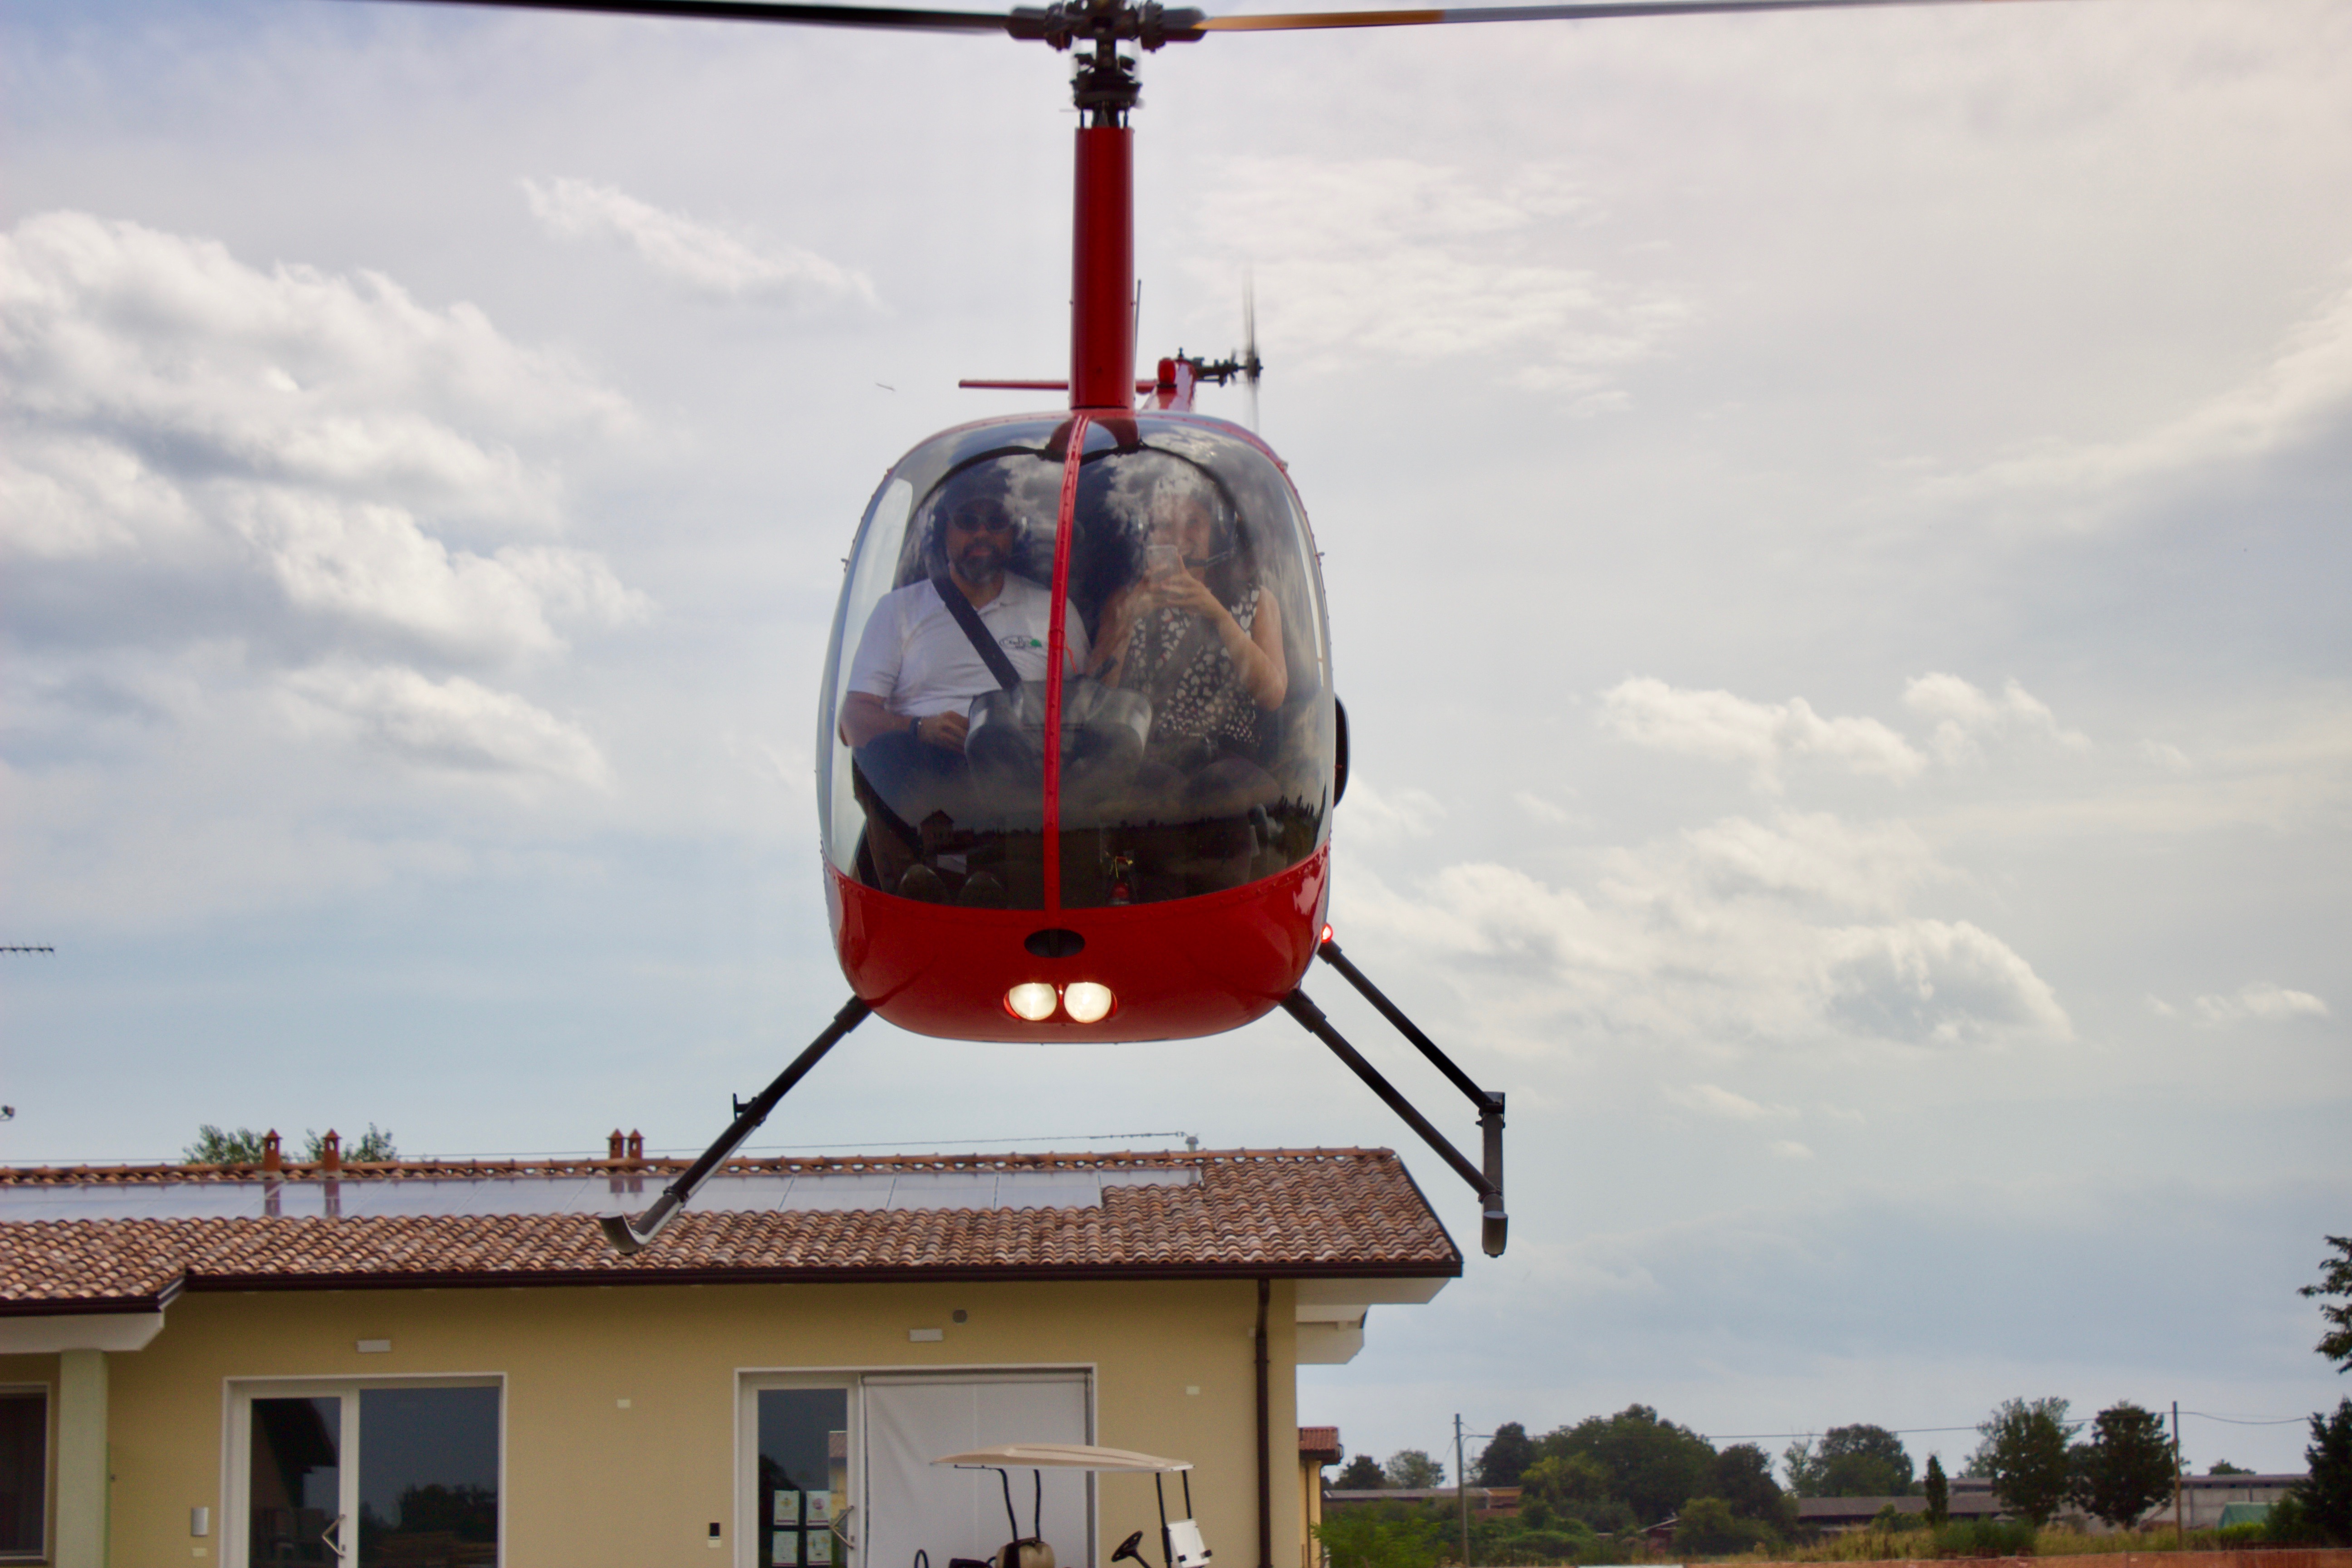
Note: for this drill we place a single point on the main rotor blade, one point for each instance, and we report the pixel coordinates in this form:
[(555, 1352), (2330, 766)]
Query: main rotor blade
[(1302, 21), (788, 11)]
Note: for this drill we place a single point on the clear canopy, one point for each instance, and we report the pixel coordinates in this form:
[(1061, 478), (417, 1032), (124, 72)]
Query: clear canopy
[(1102, 675)]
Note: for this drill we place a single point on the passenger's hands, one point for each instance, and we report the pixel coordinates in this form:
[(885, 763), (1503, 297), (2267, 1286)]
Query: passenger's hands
[(1184, 591), (945, 731)]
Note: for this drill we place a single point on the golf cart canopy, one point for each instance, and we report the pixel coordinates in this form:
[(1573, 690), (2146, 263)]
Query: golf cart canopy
[(1063, 1456)]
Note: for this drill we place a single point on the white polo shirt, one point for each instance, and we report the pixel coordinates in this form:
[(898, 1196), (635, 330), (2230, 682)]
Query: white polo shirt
[(917, 659)]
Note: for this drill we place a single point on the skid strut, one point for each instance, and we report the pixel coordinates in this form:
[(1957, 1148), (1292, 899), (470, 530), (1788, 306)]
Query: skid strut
[(1486, 1181), (629, 1235)]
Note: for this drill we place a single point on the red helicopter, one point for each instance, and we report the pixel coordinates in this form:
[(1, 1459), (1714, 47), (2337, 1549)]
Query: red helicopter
[(1079, 746)]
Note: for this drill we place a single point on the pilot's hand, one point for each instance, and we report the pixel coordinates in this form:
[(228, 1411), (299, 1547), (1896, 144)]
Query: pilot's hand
[(945, 731)]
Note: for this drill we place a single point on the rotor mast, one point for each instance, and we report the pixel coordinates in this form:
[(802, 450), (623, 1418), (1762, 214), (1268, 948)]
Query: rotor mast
[(1102, 262)]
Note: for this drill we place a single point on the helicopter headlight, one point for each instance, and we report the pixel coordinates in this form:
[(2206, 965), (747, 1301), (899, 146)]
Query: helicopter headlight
[(1032, 999), (1088, 1002)]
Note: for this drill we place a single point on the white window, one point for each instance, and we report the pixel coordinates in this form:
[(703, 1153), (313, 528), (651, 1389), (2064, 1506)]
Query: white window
[(361, 1474)]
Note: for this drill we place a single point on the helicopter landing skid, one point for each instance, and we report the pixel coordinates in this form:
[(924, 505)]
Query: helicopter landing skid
[(1494, 1228), (628, 1236)]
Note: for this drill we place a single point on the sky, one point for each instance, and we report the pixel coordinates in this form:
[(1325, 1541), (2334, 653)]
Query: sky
[(1833, 529)]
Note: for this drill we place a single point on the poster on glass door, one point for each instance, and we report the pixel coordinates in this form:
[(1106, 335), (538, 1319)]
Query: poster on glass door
[(800, 1529)]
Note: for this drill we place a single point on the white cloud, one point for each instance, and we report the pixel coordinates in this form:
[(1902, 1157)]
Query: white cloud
[(204, 453), (1712, 1099), (1719, 727), (2303, 393), (1873, 868), (1376, 816), (1932, 983), (1967, 716), (1542, 810), (454, 725), (122, 342), (372, 567), (1789, 1149), (1737, 935), (1410, 260), (703, 257), (2261, 1002)]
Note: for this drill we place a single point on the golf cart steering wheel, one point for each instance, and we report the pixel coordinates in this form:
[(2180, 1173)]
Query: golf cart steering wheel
[(1127, 1548)]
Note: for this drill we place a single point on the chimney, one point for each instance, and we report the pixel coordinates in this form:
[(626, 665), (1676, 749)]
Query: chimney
[(331, 1152), (613, 1145), (271, 1160), (636, 1147)]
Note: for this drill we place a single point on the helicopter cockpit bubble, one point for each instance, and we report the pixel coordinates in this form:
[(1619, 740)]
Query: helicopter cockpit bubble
[(1186, 658)]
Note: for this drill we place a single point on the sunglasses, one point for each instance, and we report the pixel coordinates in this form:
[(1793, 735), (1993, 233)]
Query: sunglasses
[(985, 517)]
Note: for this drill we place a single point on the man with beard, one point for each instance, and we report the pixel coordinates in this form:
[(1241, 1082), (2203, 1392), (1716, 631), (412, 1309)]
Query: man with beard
[(915, 671)]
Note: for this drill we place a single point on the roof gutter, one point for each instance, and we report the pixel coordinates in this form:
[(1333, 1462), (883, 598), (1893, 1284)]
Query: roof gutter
[(907, 1274)]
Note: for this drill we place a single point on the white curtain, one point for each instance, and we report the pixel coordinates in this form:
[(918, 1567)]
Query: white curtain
[(912, 1504)]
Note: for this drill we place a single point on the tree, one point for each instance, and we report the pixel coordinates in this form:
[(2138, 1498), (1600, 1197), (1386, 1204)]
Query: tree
[(2335, 1279), (2223, 1468), (1411, 1467), (1939, 1493), (1805, 1468), (218, 1146), (2024, 1453), (1743, 1479), (1861, 1461), (1653, 1465), (1507, 1456), (1361, 1474), (2126, 1467), (375, 1143), (2325, 1495), (1381, 1535), (1573, 1489), (1707, 1525)]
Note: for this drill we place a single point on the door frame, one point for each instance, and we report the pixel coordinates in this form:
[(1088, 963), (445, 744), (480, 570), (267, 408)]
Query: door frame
[(233, 1532), (748, 1380)]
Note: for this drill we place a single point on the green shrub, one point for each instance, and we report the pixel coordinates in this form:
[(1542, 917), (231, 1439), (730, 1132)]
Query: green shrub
[(1381, 1535), (1707, 1526), (1986, 1538), (2289, 1525)]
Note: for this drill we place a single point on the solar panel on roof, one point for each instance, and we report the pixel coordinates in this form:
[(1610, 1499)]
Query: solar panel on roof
[(542, 1194)]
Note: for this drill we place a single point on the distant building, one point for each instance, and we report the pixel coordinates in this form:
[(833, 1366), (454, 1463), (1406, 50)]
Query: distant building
[(2203, 1499), (1485, 1502)]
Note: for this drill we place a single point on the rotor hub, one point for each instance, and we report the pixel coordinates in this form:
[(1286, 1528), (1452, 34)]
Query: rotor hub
[(1105, 86)]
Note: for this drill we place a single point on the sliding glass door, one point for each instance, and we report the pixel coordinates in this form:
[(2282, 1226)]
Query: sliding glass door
[(347, 1475)]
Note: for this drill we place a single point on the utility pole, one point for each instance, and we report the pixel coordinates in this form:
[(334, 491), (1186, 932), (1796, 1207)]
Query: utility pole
[(2179, 1534), (1461, 1489)]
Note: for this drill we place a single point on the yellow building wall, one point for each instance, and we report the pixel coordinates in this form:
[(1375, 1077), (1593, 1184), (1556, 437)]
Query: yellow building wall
[(588, 1481)]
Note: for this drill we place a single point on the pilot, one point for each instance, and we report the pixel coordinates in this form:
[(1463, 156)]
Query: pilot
[(915, 671)]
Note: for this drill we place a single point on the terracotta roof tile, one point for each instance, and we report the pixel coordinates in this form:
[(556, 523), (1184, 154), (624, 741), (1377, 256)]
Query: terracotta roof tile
[(1349, 1212)]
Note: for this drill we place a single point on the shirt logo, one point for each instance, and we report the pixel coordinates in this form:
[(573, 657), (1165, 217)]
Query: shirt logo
[(1019, 641)]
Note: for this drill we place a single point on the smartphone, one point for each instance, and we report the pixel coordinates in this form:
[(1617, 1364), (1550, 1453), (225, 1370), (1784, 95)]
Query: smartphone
[(1162, 561)]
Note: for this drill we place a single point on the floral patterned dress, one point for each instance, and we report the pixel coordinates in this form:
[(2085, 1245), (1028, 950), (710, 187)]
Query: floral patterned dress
[(1204, 700)]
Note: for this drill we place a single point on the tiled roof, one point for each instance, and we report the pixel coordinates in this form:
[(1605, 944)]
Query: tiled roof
[(1282, 1213), (1320, 1443)]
